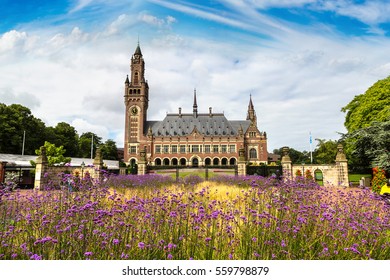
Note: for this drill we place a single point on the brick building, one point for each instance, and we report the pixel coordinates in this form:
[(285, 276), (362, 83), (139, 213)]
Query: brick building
[(186, 139)]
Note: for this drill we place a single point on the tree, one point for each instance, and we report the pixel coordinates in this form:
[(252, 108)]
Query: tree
[(371, 145), (109, 150), (54, 154), (85, 143), (371, 106), (295, 156), (326, 151), (16, 119), (63, 134)]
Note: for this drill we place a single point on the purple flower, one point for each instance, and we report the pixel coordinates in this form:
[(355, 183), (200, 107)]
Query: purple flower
[(141, 245), (115, 241), (35, 257), (169, 257), (254, 239), (88, 254), (283, 244)]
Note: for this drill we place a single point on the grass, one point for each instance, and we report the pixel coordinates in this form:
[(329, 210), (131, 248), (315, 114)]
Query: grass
[(355, 178)]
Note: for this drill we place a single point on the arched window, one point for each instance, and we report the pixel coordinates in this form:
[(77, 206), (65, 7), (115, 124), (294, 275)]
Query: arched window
[(232, 161), (216, 161), (224, 161), (195, 162), (166, 161), (157, 161), (136, 78), (207, 161), (174, 161), (252, 153), (183, 161)]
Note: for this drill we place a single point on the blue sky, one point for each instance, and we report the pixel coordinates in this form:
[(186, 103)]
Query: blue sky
[(302, 60)]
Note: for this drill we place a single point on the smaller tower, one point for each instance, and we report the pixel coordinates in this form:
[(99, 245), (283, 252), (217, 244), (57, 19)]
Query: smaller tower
[(251, 112), (195, 106)]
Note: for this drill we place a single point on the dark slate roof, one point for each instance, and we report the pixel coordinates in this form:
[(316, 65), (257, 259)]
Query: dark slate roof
[(184, 124)]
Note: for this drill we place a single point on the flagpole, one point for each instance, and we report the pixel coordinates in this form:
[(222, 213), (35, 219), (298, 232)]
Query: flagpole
[(24, 140), (311, 152)]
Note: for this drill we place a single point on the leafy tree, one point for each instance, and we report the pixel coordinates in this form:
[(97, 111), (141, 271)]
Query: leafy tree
[(66, 135), (295, 156), (371, 106), (371, 145), (85, 143), (325, 152), (54, 154), (16, 119), (109, 150)]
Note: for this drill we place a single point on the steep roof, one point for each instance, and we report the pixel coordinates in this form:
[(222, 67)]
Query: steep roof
[(138, 50), (206, 124)]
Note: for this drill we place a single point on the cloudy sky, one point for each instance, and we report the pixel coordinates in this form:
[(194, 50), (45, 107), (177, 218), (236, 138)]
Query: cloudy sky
[(301, 60)]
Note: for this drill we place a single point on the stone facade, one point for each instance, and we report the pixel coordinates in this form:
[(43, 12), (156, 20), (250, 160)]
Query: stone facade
[(186, 139), (333, 174)]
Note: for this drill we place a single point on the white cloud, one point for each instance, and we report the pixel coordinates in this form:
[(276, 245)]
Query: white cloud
[(83, 126), (80, 4)]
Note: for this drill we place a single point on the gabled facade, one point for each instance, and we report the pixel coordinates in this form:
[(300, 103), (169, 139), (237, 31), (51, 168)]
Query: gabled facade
[(187, 139)]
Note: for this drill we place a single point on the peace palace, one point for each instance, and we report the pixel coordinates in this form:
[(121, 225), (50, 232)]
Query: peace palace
[(186, 139)]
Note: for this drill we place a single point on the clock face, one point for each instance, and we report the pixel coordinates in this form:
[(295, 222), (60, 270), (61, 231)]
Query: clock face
[(134, 110)]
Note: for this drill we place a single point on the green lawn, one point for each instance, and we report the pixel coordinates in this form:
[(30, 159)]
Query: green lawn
[(357, 177)]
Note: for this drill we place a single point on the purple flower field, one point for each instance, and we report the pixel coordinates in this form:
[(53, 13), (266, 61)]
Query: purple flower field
[(154, 217)]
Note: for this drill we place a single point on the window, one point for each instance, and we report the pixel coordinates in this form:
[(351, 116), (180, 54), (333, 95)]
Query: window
[(182, 149), (252, 134), (133, 149), (195, 149), (158, 149), (232, 148), (215, 148), (252, 153), (207, 148), (174, 149), (224, 148), (166, 149)]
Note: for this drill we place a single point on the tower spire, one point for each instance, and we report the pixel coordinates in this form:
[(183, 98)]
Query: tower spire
[(138, 49), (251, 111), (195, 106)]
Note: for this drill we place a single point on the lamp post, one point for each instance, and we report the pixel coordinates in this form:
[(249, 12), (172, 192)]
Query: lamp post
[(82, 169)]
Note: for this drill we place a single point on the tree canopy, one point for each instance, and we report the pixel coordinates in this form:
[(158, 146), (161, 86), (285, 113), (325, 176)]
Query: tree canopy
[(296, 156), (16, 119), (325, 152), (373, 105), (372, 144)]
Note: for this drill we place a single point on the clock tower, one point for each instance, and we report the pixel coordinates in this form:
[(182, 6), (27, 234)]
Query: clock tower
[(136, 102)]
